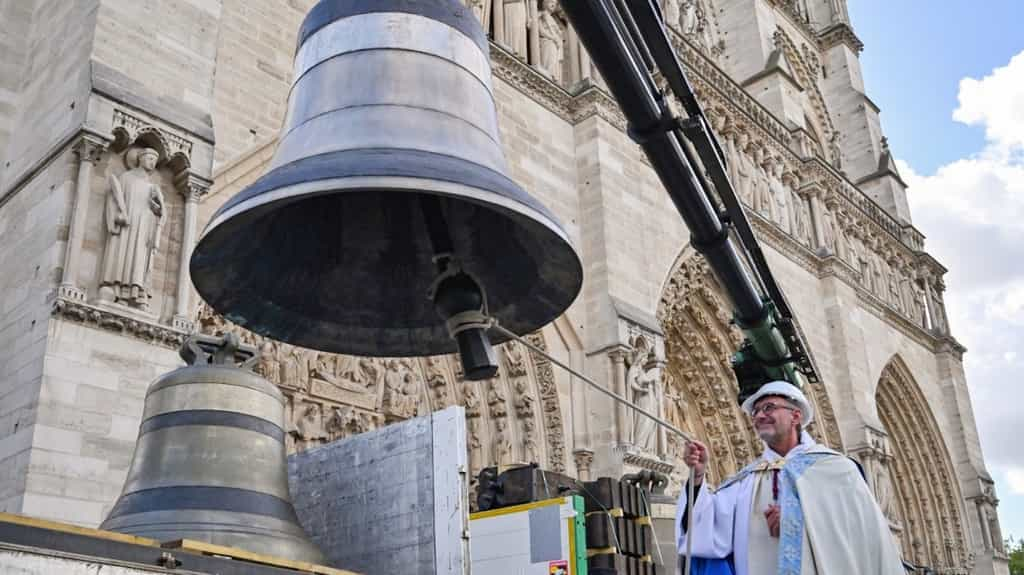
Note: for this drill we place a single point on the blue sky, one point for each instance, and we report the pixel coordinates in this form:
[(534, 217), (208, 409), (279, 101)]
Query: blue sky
[(949, 78)]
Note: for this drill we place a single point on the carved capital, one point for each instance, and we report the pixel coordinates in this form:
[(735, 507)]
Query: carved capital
[(90, 147), (191, 186), (584, 458)]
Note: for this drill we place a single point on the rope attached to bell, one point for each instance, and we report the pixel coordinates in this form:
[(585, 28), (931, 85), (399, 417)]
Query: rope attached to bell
[(493, 324)]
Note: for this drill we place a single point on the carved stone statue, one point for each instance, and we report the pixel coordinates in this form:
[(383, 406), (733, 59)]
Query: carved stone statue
[(524, 399), (531, 449), (400, 401), (309, 427), (670, 12), (502, 442), (268, 366), (690, 18), (744, 169), (801, 226), (497, 400), (294, 373), (762, 192), (515, 26), (642, 382), (780, 197), (828, 229), (134, 218), (551, 41), (884, 492)]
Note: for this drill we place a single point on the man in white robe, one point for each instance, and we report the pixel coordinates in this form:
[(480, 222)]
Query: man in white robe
[(800, 509)]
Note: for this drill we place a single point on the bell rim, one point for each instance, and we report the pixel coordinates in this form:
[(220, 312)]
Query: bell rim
[(434, 347)]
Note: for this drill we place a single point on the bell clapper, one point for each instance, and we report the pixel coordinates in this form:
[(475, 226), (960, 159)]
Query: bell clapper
[(459, 299)]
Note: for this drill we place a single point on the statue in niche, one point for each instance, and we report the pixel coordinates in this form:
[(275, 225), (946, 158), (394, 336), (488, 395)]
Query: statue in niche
[(744, 167), (690, 20), (761, 192), (268, 366), (884, 491), (552, 49), (780, 196), (482, 10), (134, 217), (502, 442), (515, 26), (828, 230), (642, 383), (801, 229), (670, 12)]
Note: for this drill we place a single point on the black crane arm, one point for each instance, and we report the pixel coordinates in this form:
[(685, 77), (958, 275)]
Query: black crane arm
[(629, 43)]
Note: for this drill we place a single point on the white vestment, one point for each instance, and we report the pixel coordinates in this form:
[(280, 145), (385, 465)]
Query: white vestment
[(830, 523)]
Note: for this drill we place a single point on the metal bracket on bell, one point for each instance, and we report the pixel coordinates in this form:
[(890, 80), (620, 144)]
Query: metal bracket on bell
[(203, 349)]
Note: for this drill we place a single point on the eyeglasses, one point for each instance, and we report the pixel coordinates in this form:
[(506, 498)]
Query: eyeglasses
[(769, 408)]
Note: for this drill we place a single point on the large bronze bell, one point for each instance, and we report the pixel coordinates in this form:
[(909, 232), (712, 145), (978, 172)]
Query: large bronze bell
[(388, 173), (210, 461)]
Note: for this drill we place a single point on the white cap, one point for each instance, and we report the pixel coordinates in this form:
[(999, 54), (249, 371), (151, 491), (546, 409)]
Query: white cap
[(782, 389)]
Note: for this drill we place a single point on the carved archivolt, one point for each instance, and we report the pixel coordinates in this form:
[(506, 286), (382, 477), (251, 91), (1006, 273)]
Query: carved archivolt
[(512, 418), (926, 495), (700, 388)]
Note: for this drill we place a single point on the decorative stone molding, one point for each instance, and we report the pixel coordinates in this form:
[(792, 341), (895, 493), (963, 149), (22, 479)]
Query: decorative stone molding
[(127, 129), (839, 33), (104, 318)]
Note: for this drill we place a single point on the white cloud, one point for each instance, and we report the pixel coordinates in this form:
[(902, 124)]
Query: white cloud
[(1015, 479), (972, 212), (995, 103)]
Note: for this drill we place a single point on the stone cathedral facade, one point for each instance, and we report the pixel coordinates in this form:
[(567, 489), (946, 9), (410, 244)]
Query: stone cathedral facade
[(125, 124)]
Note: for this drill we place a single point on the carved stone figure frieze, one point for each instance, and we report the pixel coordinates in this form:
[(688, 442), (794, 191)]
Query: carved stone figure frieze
[(400, 391), (309, 426), (268, 365), (134, 217)]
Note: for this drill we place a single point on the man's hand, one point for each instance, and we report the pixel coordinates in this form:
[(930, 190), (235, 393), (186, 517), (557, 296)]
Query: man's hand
[(773, 516), (696, 458)]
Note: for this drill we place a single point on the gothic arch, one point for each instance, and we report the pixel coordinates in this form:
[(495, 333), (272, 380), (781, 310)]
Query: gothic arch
[(700, 388), (926, 508)]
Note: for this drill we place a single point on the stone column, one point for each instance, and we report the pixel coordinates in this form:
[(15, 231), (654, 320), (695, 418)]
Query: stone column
[(88, 149), (623, 421), (192, 188)]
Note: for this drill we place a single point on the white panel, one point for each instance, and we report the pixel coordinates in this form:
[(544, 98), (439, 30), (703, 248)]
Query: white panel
[(451, 492)]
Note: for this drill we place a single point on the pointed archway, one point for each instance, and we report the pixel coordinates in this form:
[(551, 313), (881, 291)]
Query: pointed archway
[(922, 498)]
